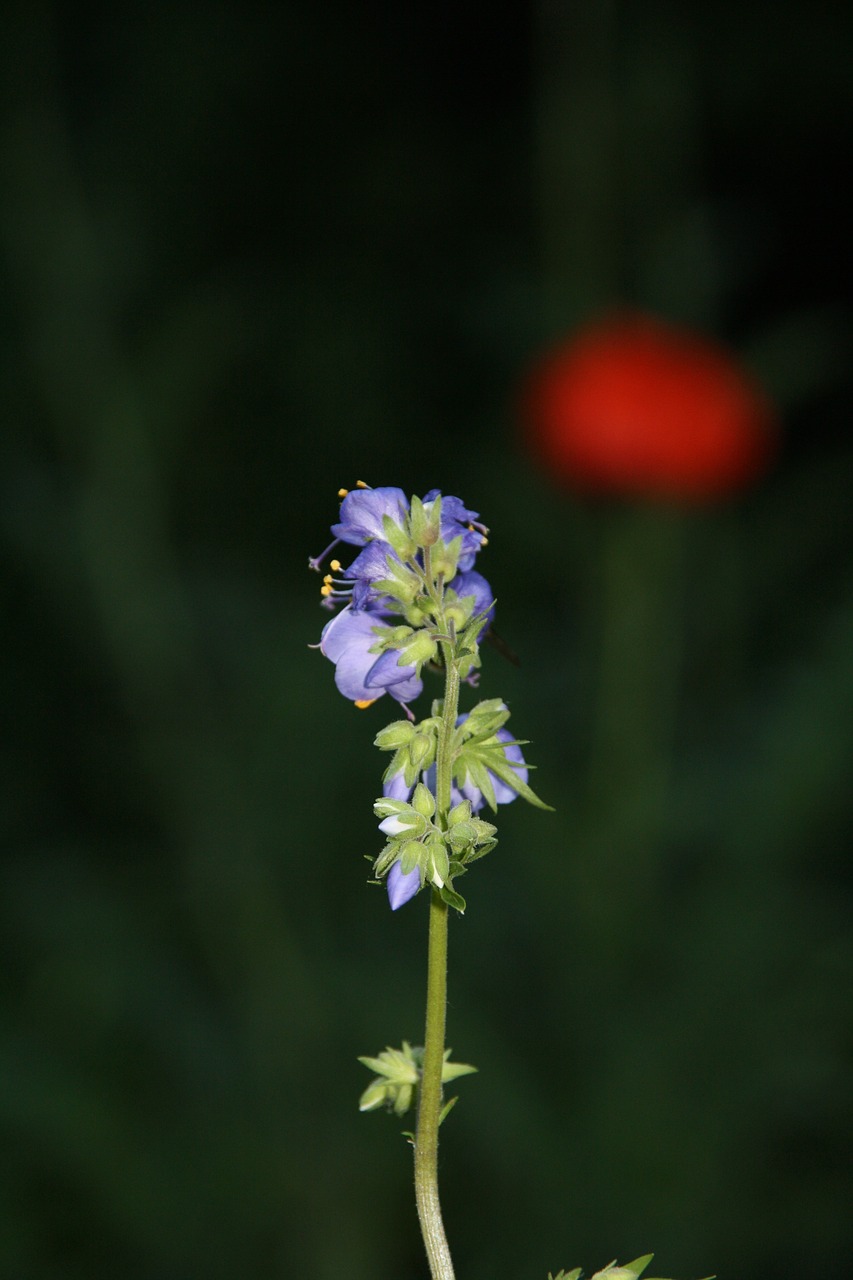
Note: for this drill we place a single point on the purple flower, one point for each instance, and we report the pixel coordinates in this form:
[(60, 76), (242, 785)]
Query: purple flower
[(360, 675), (362, 511)]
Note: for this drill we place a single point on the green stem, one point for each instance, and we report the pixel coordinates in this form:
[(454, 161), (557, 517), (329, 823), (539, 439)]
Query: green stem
[(429, 1109)]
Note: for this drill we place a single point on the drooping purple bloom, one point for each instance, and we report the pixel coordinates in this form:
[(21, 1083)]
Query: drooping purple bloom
[(360, 675), (401, 888), (504, 794)]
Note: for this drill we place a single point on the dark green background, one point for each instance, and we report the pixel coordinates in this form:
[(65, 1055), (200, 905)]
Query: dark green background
[(255, 252)]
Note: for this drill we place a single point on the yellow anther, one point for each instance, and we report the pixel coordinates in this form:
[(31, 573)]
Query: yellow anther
[(342, 493), (359, 484), (326, 589), (484, 542), (365, 702), (335, 566)]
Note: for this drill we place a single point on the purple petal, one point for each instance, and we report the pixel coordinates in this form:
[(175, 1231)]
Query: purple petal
[(401, 888), (362, 511), (347, 640), (371, 563), (503, 793), (396, 788)]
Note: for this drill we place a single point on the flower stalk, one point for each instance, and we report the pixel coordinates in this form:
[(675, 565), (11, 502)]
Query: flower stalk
[(429, 1110)]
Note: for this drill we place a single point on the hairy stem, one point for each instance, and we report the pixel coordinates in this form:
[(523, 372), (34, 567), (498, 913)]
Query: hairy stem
[(429, 1110)]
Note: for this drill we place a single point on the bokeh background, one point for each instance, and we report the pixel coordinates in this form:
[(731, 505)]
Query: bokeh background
[(252, 253)]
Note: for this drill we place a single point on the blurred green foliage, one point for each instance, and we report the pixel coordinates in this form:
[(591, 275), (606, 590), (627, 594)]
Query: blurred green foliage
[(250, 254)]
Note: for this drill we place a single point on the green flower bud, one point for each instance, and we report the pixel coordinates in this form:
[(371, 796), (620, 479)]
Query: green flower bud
[(422, 750), (459, 813), (423, 801), (461, 836)]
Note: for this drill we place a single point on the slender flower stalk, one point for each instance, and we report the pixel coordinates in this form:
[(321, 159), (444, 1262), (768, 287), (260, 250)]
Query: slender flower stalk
[(429, 1110)]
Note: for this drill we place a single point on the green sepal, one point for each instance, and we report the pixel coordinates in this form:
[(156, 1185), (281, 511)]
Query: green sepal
[(421, 749), (398, 1065), (419, 647), (630, 1271), (438, 864), (398, 539), (394, 735), (423, 801), (425, 522), (480, 851), (461, 836), (410, 856), (480, 777), (491, 755), (387, 858), (453, 899), (459, 813), (468, 641), (484, 720), (444, 562), (453, 1070)]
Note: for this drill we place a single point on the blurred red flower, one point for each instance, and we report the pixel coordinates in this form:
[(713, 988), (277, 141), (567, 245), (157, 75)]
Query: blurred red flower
[(633, 406)]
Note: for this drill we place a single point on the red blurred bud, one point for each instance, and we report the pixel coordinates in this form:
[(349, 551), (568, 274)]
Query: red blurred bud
[(632, 406)]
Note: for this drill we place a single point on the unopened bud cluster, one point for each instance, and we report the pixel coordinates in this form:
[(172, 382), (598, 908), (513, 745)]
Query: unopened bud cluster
[(398, 1074)]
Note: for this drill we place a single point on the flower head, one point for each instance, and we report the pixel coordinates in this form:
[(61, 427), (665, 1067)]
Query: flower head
[(413, 568), (633, 406)]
